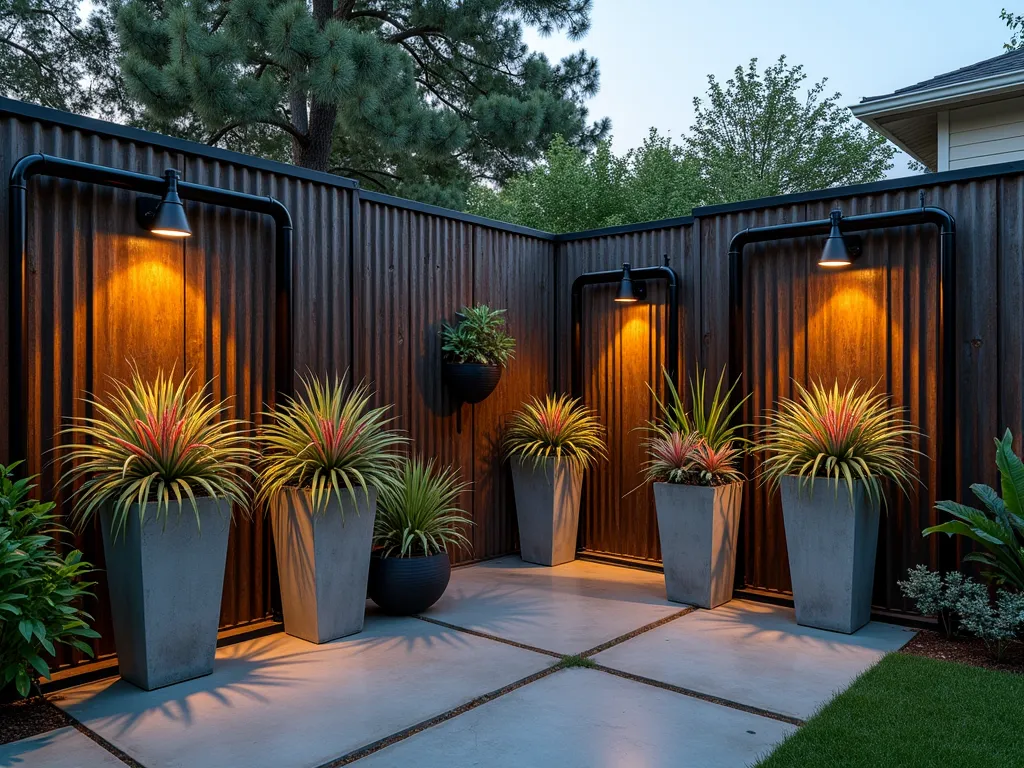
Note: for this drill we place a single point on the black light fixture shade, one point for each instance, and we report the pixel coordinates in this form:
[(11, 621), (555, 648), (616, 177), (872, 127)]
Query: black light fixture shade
[(626, 294), (835, 253), (166, 219)]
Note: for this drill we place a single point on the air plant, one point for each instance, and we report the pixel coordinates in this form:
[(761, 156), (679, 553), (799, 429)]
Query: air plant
[(671, 456), (152, 442), (717, 466), (712, 419), (842, 435), (419, 515), (329, 441), (560, 428)]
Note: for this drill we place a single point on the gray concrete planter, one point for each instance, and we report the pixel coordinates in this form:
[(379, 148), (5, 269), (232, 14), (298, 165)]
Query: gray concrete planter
[(165, 579), (698, 526), (548, 509), (832, 544), (323, 562)]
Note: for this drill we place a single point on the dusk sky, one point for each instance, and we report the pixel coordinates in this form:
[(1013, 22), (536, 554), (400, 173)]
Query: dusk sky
[(655, 55)]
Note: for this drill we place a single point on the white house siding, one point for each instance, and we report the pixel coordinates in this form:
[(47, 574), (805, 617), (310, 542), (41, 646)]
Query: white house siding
[(984, 134)]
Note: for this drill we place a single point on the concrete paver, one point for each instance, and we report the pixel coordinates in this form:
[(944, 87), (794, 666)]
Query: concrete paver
[(566, 609), (581, 718), (281, 702), (757, 655), (62, 748)]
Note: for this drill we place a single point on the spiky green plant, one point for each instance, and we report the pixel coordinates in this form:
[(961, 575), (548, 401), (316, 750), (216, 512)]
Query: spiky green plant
[(559, 427), (999, 527), (153, 442), (713, 420), (842, 435), (419, 515), (717, 466), (328, 439), (479, 337)]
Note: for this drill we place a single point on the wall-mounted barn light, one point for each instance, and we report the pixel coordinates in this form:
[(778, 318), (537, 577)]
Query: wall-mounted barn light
[(630, 292), (838, 251), (165, 217)]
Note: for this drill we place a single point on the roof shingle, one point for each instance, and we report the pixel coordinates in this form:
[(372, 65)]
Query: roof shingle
[(997, 65)]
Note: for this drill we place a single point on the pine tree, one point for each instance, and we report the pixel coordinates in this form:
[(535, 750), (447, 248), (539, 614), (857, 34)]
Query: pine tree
[(416, 97)]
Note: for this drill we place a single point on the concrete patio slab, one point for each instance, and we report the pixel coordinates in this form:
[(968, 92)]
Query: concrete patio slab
[(581, 718), (755, 654), (62, 748), (281, 702), (566, 609)]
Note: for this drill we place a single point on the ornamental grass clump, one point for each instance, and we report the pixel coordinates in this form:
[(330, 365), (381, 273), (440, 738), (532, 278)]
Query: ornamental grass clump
[(846, 436), (153, 442), (419, 515), (560, 428), (329, 441), (479, 337)]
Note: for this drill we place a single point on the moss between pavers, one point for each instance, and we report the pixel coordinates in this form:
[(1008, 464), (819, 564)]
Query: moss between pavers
[(910, 711)]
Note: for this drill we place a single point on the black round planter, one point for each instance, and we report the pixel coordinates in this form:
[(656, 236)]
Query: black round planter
[(471, 382), (406, 585)]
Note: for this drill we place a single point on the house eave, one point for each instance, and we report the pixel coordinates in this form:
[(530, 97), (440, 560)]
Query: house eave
[(940, 97)]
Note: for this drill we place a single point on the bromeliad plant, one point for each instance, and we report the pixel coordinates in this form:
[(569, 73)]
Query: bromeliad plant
[(479, 337), (153, 442), (40, 591), (419, 515), (330, 441), (999, 527), (701, 446), (560, 428), (844, 436)]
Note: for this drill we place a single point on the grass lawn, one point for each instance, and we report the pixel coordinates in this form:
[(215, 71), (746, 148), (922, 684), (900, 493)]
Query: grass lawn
[(912, 711)]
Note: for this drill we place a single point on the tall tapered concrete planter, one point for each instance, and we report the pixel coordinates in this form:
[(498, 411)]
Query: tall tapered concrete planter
[(698, 526), (323, 562), (548, 509), (832, 543), (165, 579)]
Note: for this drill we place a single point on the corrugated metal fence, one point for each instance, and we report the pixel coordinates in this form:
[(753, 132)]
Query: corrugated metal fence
[(373, 277)]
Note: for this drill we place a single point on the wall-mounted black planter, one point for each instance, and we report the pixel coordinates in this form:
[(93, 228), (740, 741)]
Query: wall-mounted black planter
[(403, 586), (471, 382)]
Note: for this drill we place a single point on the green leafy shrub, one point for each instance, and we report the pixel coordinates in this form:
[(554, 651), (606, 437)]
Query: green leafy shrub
[(935, 594), (151, 441), (420, 515), (844, 436), (40, 591), (479, 337), (998, 625), (999, 527), (329, 440), (560, 428)]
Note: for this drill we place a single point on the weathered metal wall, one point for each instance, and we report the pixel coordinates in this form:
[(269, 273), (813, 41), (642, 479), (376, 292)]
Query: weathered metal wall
[(876, 322), (372, 281)]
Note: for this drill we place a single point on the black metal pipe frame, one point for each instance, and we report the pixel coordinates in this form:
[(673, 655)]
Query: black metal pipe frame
[(73, 170), (665, 273), (945, 441)]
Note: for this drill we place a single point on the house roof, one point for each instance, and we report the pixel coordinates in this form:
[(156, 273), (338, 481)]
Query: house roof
[(997, 65), (908, 116)]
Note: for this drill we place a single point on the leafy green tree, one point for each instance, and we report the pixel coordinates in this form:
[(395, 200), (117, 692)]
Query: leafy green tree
[(572, 190), (416, 97), (758, 136), (51, 56), (1015, 23)]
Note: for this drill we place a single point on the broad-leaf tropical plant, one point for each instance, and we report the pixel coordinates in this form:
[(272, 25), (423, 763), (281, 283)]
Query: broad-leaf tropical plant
[(330, 441), (154, 442), (40, 590), (419, 515), (480, 336), (846, 436), (558, 427), (999, 527)]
